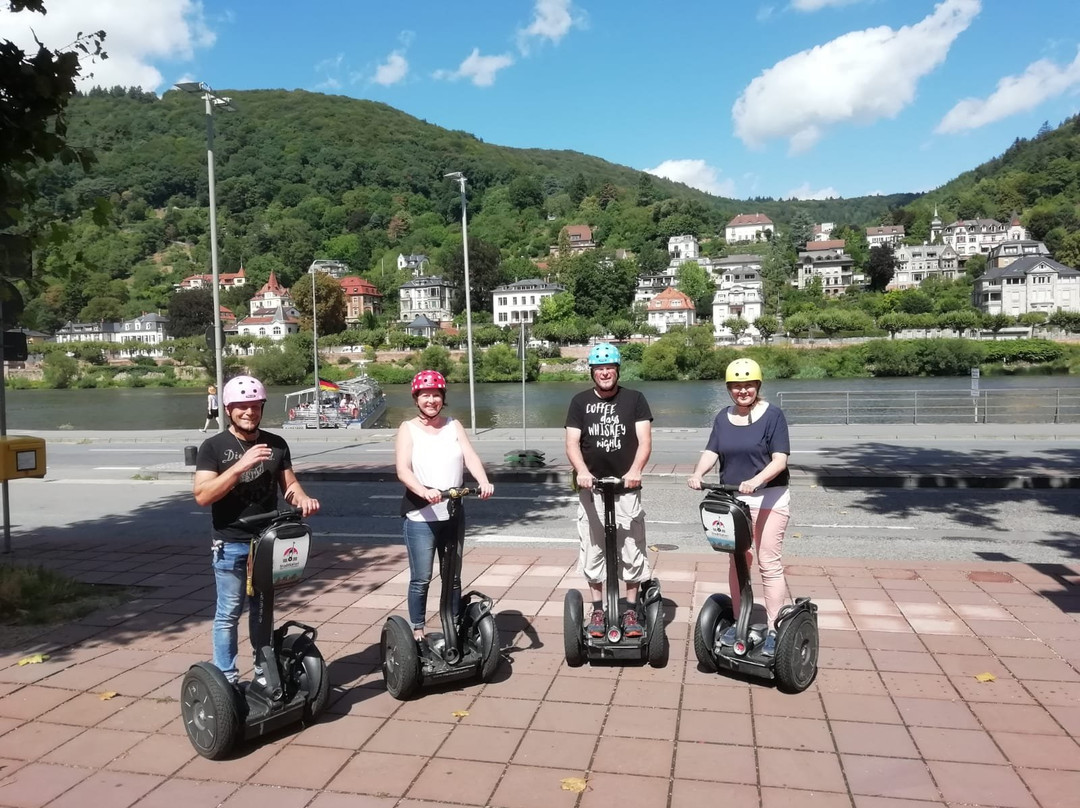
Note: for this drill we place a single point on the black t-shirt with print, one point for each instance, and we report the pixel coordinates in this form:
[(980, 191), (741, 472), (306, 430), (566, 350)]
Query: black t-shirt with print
[(608, 429), (257, 491)]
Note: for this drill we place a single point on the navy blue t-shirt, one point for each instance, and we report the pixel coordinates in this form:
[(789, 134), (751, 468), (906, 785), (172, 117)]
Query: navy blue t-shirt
[(746, 450)]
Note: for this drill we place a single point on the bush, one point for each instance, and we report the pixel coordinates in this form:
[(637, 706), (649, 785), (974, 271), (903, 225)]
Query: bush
[(386, 373), (633, 351), (59, 370)]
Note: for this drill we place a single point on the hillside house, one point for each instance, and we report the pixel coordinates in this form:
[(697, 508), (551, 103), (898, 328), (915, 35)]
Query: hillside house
[(748, 227), (1029, 283), (271, 313), (885, 234), (740, 293), (671, 308), (579, 238), (519, 302), (361, 297), (828, 261), (226, 280), (916, 263)]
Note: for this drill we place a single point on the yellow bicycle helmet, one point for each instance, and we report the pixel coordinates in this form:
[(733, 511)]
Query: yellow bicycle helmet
[(743, 370)]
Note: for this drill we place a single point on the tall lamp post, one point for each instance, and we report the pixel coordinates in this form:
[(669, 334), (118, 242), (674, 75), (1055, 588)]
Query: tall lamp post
[(457, 175), (213, 101)]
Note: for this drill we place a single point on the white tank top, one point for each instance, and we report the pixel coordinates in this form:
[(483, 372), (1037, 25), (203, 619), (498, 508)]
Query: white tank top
[(437, 462)]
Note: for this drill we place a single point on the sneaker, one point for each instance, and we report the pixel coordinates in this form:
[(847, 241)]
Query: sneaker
[(597, 626), (769, 648), (728, 637), (630, 624)]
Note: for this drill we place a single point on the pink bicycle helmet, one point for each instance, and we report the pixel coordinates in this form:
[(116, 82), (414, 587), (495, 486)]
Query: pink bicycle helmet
[(428, 380), (243, 388)]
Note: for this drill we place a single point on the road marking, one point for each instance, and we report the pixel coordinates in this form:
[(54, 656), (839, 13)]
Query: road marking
[(810, 451), (359, 535), (538, 500), (126, 481), (118, 468), (142, 451), (665, 522), (520, 540)]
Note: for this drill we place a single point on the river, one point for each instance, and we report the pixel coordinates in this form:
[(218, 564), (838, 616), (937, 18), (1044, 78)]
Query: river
[(674, 404)]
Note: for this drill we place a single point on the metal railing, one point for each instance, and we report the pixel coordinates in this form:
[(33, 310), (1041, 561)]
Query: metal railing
[(1059, 405)]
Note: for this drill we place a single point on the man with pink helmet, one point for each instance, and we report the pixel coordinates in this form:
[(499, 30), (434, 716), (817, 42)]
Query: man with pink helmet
[(431, 453), (238, 473)]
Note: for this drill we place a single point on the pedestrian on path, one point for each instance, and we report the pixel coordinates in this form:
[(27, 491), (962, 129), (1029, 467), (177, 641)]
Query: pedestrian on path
[(609, 434), (750, 440), (431, 453), (238, 473), (212, 412)]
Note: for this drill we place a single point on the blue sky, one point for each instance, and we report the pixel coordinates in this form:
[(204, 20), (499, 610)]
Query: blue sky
[(781, 98)]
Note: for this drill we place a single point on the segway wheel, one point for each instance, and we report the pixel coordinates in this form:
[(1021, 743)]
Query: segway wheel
[(797, 654), (208, 707), (489, 647), (310, 672), (715, 616), (658, 645), (400, 658), (573, 624)]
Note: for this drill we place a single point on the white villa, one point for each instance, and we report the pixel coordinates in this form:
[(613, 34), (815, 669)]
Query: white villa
[(914, 264), (974, 236), (428, 295), (670, 308), (748, 227), (828, 261), (740, 293), (226, 280), (884, 234), (146, 329), (271, 313), (519, 302), (1029, 283)]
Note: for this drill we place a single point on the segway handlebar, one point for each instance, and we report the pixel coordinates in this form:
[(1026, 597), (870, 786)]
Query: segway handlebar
[(727, 489), (458, 493), (257, 521)]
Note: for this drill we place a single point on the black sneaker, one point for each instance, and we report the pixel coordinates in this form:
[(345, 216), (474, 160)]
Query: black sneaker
[(631, 626), (597, 626)]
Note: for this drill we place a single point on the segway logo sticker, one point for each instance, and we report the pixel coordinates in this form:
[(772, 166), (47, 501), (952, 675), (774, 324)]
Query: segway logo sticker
[(289, 562)]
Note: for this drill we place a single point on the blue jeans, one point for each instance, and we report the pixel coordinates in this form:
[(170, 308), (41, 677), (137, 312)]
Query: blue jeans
[(230, 575), (423, 540)]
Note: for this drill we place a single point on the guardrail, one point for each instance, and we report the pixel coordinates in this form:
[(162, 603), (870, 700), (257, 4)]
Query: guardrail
[(1060, 405)]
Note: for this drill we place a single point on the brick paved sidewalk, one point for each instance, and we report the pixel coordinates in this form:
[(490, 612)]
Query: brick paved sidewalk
[(896, 718)]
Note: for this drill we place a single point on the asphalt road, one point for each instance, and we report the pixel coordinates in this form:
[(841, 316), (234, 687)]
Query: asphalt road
[(83, 502)]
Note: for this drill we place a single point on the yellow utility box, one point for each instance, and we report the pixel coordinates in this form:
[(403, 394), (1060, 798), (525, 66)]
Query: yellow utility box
[(21, 456)]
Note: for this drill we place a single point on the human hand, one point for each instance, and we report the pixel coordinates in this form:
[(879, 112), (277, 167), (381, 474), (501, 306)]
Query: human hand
[(433, 495), (308, 506), (694, 483), (257, 454), (632, 479), (748, 486), (585, 481), (486, 490)]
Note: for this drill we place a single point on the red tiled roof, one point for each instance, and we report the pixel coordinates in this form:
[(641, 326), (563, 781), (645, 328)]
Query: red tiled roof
[(832, 244), (749, 218), (353, 285), (671, 298)]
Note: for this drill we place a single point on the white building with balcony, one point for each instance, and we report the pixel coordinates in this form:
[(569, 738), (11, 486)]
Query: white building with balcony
[(739, 293), (520, 301), (884, 234), (828, 261), (748, 227), (429, 295), (916, 263), (1030, 283), (671, 308), (271, 313)]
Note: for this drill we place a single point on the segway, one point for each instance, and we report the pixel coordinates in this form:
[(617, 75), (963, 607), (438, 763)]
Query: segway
[(728, 529), (468, 646), (294, 685), (577, 643)]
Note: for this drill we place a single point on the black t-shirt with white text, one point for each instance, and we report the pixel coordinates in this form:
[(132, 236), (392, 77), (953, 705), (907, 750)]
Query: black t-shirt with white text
[(608, 427), (257, 491)]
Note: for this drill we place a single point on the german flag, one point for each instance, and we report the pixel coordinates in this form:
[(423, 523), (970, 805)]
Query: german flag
[(330, 386)]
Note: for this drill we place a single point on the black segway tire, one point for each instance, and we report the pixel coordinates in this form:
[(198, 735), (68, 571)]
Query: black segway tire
[(796, 654), (573, 624), (715, 615), (208, 706), (400, 658), (489, 647), (310, 672), (658, 644)]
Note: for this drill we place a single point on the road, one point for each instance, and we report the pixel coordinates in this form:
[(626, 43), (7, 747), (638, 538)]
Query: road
[(86, 503)]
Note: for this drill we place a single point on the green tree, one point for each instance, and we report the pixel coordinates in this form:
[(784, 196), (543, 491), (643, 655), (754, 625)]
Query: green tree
[(485, 272), (102, 310), (995, 322), (766, 326), (191, 312), (960, 321), (59, 370), (525, 192), (880, 267), (578, 190), (894, 322), (736, 325), (975, 266), (330, 305), (692, 280), (1032, 319)]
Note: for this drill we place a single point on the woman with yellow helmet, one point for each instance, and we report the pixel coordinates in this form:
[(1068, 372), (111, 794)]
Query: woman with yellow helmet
[(750, 440)]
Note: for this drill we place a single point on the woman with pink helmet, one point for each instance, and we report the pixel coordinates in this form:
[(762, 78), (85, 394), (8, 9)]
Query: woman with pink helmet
[(431, 453)]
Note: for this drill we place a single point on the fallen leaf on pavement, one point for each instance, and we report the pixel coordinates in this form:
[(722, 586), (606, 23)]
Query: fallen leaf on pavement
[(459, 713), (108, 694), (985, 677), (33, 659), (796, 535), (575, 784)]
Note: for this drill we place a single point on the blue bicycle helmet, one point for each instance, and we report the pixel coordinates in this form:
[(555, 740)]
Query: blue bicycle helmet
[(604, 353)]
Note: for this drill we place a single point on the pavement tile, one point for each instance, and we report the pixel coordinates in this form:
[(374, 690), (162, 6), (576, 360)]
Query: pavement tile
[(1053, 670), (959, 745), (114, 789), (502, 712), (32, 701), (918, 685), (298, 766), (634, 722), (188, 793), (1016, 718), (339, 731), (409, 737), (1025, 750), (582, 690), (715, 762), (144, 716), (566, 717), (1053, 789), (971, 665), (258, 796), (856, 707), (35, 739), (87, 709), (328, 800), (999, 691), (534, 787), (694, 794), (892, 640), (980, 784), (904, 661), (489, 744), (923, 712), (624, 790), (458, 781), (865, 683), (378, 773), (729, 728), (718, 694), (93, 748), (846, 659), (1055, 693), (632, 756), (652, 694), (807, 734), (895, 778), (555, 750), (812, 771), (887, 740), (246, 760), (1067, 716)]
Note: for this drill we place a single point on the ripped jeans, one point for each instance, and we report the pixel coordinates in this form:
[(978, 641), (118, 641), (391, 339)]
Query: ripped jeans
[(230, 575)]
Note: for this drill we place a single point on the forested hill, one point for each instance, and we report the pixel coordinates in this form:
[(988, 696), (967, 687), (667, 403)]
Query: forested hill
[(302, 175)]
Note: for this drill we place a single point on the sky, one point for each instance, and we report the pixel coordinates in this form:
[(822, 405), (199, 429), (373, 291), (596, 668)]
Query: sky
[(804, 99)]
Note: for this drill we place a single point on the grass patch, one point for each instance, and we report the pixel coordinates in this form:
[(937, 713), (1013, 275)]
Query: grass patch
[(39, 596)]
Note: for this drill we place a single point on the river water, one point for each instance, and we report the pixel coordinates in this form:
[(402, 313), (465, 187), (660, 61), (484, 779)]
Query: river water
[(674, 404)]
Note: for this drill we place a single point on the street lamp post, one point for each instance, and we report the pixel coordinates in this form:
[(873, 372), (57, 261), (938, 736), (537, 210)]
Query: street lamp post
[(212, 101), (457, 175)]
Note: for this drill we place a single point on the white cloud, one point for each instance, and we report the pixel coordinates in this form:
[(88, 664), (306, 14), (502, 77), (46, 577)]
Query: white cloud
[(480, 70), (393, 70), (817, 5), (1041, 80), (804, 192), (138, 34), (695, 173), (552, 20), (858, 77)]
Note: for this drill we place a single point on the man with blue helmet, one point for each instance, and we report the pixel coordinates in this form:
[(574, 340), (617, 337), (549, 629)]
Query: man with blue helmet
[(609, 434)]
